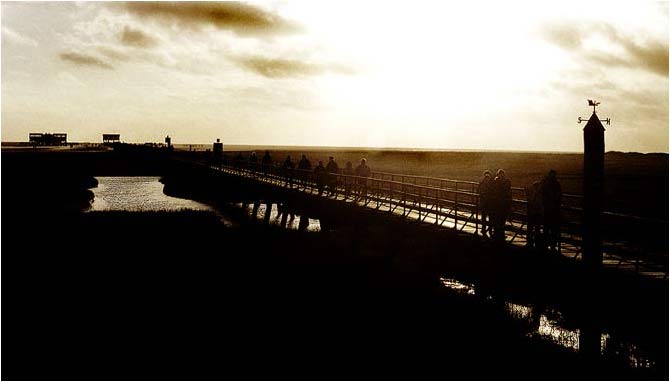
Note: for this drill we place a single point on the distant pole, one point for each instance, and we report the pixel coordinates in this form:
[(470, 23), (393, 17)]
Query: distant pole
[(594, 174)]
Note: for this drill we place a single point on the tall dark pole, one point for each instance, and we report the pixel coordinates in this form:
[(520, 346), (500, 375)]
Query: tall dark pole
[(594, 169)]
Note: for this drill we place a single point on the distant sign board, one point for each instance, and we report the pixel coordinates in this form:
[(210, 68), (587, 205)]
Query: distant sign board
[(47, 139), (111, 138)]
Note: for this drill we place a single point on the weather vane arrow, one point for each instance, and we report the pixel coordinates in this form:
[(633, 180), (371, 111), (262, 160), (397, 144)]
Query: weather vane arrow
[(593, 103)]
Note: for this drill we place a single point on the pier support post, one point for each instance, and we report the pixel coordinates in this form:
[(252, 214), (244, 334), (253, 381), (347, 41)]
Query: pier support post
[(284, 216), (304, 222), (594, 165), (254, 211), (268, 212)]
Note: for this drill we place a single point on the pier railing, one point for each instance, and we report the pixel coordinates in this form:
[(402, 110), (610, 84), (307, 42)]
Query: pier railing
[(628, 241)]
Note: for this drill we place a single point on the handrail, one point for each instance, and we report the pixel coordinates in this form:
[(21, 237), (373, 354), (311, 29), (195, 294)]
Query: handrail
[(514, 200), (440, 203), (425, 177)]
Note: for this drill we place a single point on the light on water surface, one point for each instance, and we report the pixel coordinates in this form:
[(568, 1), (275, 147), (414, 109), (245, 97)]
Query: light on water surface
[(546, 324), (138, 193), (292, 220), (458, 286)]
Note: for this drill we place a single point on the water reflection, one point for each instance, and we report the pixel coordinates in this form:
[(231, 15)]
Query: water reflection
[(547, 324), (138, 193), (458, 286), (279, 217), (143, 193)]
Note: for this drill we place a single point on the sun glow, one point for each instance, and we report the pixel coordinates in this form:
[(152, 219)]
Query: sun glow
[(494, 75)]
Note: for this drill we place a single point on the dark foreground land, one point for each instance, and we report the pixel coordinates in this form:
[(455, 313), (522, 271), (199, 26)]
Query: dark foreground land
[(119, 295), (178, 296)]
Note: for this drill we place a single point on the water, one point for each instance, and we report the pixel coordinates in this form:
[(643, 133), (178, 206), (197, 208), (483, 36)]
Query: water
[(541, 322), (547, 323), (138, 193), (292, 220), (145, 193)]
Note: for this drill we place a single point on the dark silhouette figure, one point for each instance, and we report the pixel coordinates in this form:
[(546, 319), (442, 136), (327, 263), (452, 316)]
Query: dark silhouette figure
[(288, 171), (551, 202), (485, 202), (333, 170), (320, 176), (534, 215), (348, 171), (239, 160), (502, 191), (304, 166), (363, 171), (253, 161), (266, 162)]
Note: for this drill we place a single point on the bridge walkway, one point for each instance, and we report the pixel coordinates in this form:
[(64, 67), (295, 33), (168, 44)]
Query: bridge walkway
[(454, 205)]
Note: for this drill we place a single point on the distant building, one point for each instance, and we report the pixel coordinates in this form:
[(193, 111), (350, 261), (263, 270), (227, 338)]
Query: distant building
[(217, 147), (47, 139), (111, 138)]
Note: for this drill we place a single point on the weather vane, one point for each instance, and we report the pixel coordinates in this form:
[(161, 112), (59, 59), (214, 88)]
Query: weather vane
[(593, 103)]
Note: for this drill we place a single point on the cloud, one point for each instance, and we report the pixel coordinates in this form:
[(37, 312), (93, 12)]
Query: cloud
[(241, 18), (113, 53), (652, 56), (563, 35), (136, 38), (84, 60), (282, 68), (17, 38)]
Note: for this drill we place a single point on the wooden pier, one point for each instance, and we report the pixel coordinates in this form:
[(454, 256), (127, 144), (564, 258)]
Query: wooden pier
[(454, 205)]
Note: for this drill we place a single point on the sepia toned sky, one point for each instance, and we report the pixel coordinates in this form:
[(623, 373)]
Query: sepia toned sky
[(426, 74)]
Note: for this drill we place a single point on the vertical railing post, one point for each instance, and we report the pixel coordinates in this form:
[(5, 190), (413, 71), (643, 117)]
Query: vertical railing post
[(420, 194), (437, 205), (391, 195), (403, 197), (456, 206), (477, 212)]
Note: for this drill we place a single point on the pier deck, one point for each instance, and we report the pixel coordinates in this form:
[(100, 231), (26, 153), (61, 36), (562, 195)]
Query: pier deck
[(454, 205)]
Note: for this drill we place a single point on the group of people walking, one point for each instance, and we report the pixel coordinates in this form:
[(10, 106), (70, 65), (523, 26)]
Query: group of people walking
[(543, 209), (495, 203), (544, 213), (495, 194), (325, 177)]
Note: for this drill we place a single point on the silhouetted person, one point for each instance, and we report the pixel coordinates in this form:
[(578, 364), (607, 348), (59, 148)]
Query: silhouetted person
[(253, 161), (363, 171), (534, 214), (320, 176), (551, 202), (332, 169), (288, 171), (266, 162), (239, 160), (304, 166), (485, 190), (348, 171), (502, 191)]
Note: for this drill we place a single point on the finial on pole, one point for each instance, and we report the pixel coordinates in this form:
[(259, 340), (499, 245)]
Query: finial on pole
[(593, 103)]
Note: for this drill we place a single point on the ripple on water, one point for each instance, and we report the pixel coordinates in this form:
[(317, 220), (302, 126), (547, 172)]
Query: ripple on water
[(546, 323), (138, 193)]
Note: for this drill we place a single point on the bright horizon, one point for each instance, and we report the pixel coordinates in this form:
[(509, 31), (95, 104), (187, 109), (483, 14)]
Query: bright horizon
[(424, 75)]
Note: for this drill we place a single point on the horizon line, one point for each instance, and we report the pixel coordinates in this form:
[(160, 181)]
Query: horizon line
[(391, 148)]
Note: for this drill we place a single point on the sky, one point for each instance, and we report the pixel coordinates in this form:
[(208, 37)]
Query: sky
[(504, 75)]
